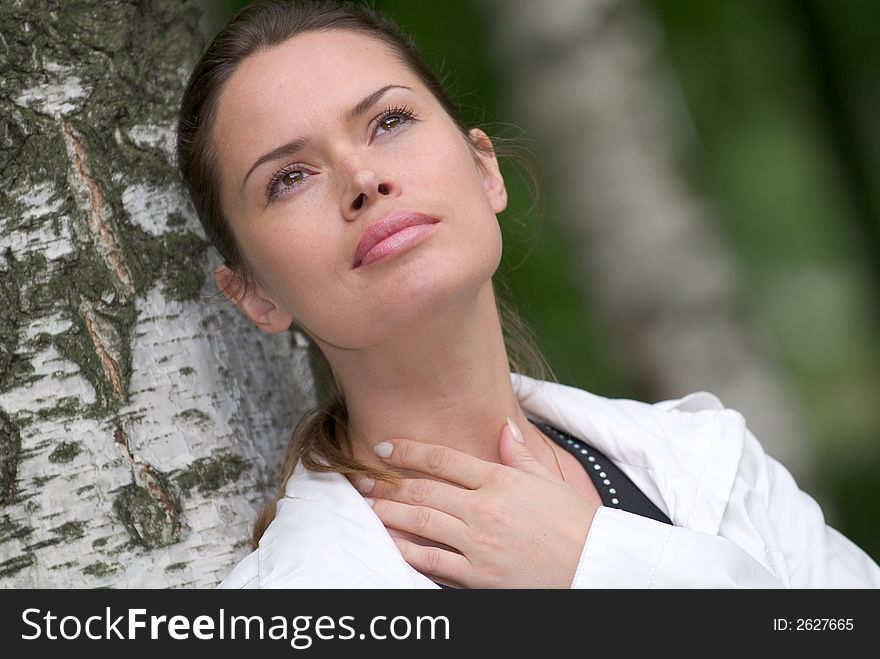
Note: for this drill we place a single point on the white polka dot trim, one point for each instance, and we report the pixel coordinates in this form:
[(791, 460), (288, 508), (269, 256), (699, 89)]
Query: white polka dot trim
[(596, 466)]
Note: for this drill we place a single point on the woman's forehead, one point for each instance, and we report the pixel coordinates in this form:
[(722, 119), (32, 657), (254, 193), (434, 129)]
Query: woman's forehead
[(300, 88), (324, 66), (305, 82)]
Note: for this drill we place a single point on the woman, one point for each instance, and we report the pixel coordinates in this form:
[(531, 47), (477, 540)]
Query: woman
[(348, 198)]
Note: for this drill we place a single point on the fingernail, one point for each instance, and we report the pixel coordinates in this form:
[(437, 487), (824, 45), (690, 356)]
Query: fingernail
[(364, 485), (383, 449), (517, 433), (370, 501)]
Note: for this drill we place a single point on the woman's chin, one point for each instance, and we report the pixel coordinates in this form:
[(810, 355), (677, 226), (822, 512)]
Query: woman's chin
[(424, 303)]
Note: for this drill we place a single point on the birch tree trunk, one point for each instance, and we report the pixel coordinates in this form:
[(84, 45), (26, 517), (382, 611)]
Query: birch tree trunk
[(141, 419), (590, 78)]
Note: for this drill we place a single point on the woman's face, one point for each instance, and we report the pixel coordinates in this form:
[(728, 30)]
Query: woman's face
[(324, 136)]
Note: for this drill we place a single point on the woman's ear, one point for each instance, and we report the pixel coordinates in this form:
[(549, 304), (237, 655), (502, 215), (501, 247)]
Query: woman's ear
[(252, 301), (487, 163)]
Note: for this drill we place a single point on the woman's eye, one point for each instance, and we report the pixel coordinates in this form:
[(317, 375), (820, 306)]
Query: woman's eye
[(392, 122), (393, 119), (285, 181), (292, 178)]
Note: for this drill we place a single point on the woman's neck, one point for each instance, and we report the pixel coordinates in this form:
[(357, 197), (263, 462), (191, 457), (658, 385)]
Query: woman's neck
[(444, 380)]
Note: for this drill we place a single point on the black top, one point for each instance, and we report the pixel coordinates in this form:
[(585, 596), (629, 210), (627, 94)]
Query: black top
[(616, 490)]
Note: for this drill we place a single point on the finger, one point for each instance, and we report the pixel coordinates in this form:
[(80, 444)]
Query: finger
[(515, 453), (425, 522), (439, 495), (449, 464), (447, 567)]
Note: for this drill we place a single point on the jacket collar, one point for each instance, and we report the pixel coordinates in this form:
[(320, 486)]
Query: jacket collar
[(325, 535), (683, 454)]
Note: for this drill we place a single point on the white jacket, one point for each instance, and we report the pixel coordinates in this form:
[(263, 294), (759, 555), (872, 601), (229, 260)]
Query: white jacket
[(739, 519)]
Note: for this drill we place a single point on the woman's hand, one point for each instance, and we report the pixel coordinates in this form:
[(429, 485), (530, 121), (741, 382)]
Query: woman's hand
[(510, 525)]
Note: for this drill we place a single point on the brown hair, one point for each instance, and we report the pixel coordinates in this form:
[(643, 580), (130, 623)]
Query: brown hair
[(320, 440)]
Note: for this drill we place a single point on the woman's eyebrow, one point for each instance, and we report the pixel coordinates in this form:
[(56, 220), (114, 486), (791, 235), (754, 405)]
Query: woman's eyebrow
[(295, 145), (369, 101)]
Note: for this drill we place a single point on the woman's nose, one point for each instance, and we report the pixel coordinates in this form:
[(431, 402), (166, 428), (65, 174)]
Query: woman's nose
[(367, 186)]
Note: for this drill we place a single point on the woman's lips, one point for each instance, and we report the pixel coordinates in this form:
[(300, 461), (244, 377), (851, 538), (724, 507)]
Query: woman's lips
[(380, 239), (398, 242)]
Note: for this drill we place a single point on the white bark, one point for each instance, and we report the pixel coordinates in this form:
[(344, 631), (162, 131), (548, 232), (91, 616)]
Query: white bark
[(141, 419)]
